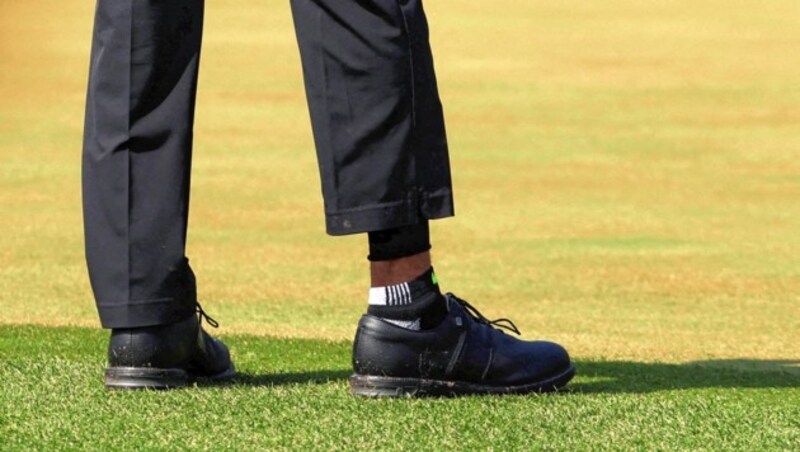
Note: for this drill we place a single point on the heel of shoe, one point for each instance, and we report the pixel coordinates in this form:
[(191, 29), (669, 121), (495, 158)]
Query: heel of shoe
[(145, 378)]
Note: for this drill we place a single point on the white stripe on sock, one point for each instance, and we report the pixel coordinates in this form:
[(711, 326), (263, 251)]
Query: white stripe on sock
[(377, 296), (396, 295)]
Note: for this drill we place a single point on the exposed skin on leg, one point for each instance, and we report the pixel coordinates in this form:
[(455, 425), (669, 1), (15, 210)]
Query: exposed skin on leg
[(396, 271)]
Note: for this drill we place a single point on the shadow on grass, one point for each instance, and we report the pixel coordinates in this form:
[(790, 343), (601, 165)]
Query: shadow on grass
[(635, 377), (613, 376), (291, 378)]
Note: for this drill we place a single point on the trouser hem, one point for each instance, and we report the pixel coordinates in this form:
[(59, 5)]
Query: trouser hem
[(379, 217), (144, 313)]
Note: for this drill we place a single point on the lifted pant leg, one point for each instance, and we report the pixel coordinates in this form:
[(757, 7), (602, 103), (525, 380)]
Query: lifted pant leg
[(375, 112)]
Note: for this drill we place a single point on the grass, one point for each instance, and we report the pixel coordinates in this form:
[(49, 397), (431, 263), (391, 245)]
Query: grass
[(292, 394), (626, 177)]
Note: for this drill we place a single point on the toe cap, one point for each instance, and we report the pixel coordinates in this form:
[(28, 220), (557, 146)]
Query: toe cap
[(523, 362), (551, 358)]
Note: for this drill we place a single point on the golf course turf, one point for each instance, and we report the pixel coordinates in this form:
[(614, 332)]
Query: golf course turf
[(627, 176), (292, 393)]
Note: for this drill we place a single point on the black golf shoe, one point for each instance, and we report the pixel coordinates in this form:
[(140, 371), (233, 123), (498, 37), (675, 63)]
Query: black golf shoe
[(167, 356), (465, 354)]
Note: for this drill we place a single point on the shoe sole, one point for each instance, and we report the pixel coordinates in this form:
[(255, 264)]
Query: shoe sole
[(121, 378), (375, 386)]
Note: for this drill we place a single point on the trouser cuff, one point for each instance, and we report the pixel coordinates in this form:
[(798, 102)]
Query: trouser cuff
[(380, 217)]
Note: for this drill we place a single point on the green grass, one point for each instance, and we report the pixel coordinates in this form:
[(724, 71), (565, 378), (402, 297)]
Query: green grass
[(626, 176), (292, 394)]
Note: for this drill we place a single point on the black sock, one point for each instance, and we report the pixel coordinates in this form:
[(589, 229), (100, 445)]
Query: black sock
[(416, 304), (399, 242)]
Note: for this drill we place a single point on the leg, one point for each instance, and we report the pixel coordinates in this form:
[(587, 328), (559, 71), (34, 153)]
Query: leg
[(382, 153), (137, 157), (136, 168), (378, 126)]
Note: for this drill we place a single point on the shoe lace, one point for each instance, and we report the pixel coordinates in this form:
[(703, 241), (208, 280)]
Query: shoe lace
[(202, 315), (503, 323)]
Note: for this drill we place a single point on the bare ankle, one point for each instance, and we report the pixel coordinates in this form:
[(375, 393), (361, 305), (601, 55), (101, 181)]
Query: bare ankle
[(396, 271)]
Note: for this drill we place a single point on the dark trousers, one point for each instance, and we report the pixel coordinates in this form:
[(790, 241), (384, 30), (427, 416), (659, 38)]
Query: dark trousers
[(376, 118)]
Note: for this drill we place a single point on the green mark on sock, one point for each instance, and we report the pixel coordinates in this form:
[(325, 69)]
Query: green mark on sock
[(434, 279)]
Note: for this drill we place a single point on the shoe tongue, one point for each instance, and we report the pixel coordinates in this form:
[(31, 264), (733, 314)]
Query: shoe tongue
[(454, 307), (448, 299)]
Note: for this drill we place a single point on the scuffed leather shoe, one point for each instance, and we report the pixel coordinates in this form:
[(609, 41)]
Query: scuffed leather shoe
[(465, 354), (167, 356)]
